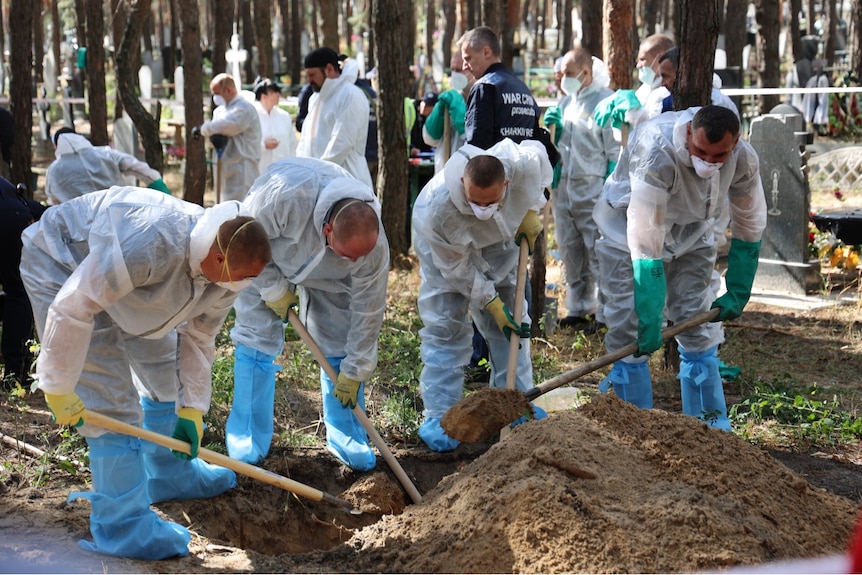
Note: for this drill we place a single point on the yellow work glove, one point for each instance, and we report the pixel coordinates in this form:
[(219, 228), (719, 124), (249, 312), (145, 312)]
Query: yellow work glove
[(189, 428), (282, 306), (504, 319), (66, 408), (530, 228), (346, 391)]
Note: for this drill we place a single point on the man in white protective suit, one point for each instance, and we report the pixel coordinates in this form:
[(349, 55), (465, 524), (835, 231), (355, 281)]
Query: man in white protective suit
[(327, 241), (657, 249), (468, 223), (113, 276)]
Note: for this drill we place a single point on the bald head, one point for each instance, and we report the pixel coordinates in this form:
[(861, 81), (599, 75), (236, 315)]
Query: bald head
[(223, 85), (352, 229), (651, 49)]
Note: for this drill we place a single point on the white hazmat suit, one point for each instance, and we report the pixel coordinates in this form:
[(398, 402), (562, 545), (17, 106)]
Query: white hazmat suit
[(588, 153), (655, 207), (343, 303), (239, 161), (81, 167), (336, 128), (466, 262), (112, 276)]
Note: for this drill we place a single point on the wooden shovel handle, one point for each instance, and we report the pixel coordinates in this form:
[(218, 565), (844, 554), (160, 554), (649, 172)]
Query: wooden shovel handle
[(360, 415), (215, 458), (609, 358)]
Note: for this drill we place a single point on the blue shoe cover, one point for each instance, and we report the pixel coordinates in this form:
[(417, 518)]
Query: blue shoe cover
[(701, 387), (538, 413), (631, 383), (248, 432), (170, 477), (121, 521), (346, 439), (431, 432)]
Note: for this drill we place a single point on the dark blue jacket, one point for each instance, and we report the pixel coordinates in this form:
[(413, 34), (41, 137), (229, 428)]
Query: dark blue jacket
[(500, 106)]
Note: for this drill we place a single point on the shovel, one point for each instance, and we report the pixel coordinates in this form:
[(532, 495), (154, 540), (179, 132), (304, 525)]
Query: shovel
[(517, 314), (360, 415), (483, 413), (218, 459)]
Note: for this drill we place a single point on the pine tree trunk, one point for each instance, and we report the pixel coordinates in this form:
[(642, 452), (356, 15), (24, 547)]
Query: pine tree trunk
[(96, 94), (195, 178), (699, 25), (21, 89), (618, 23)]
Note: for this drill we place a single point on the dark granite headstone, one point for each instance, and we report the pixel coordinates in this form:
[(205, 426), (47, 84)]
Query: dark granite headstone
[(784, 266)]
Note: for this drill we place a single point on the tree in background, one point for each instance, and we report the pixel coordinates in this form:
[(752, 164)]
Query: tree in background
[(394, 55), (97, 93), (21, 88), (195, 177), (618, 23), (699, 25), (770, 72), (127, 86)]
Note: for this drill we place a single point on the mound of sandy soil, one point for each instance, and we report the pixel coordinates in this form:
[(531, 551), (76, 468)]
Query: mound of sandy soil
[(609, 488)]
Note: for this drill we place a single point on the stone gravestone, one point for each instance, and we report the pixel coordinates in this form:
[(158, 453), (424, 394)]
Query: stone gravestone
[(177, 107), (125, 139), (784, 266), (145, 80)]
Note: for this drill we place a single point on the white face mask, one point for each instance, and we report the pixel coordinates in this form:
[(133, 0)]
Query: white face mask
[(218, 100), (648, 77), (703, 168), (484, 212), (459, 81), (570, 85), (236, 286)]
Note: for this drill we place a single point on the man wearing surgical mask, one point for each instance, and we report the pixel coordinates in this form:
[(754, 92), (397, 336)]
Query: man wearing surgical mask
[(657, 249), (589, 153), (240, 123), (651, 92), (454, 102), (330, 262), (467, 224)]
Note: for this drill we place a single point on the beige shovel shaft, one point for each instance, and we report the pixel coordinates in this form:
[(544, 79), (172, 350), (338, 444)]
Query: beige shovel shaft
[(215, 458), (385, 452), (609, 358)]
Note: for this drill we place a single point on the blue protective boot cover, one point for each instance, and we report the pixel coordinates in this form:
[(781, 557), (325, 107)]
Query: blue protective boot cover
[(431, 432), (346, 439), (170, 477), (121, 521), (249, 424), (701, 387), (631, 382), (538, 413)]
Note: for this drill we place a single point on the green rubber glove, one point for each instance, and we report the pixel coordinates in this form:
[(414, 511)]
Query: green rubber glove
[(613, 108), (741, 267), (160, 186), (452, 101), (283, 305), (554, 117), (66, 408), (558, 173), (650, 294), (611, 167), (189, 428), (505, 321), (346, 391), (530, 228)]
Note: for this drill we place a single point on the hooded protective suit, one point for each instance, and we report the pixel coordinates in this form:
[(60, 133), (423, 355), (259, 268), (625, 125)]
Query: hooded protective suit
[(336, 128), (656, 208), (343, 301), (465, 262), (115, 281), (588, 153), (239, 161), (81, 168), (113, 266)]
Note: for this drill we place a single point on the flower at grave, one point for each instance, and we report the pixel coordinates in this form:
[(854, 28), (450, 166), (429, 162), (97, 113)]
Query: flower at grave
[(838, 195)]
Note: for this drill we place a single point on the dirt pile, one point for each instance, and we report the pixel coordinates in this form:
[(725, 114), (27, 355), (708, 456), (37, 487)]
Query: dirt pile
[(609, 488)]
